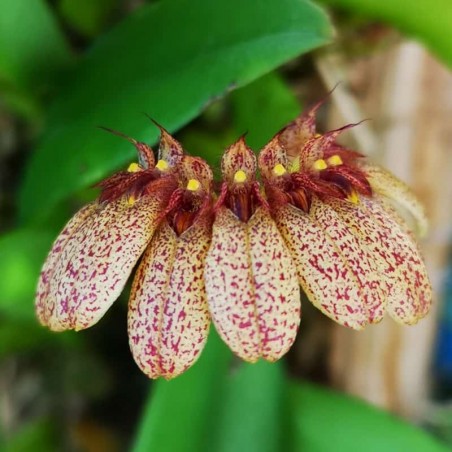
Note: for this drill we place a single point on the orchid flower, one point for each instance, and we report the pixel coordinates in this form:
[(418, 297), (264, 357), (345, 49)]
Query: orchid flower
[(321, 219)]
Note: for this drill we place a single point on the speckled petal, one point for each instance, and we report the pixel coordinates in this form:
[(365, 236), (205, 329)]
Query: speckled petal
[(95, 265), (358, 257), (252, 287), (170, 149), (323, 272), (409, 291), (238, 157), (44, 305), (168, 315), (406, 255), (386, 184)]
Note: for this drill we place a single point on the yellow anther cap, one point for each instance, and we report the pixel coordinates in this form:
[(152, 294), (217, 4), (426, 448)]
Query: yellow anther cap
[(193, 185), (133, 168), (279, 170), (131, 200), (162, 165), (240, 176), (320, 165), (353, 197), (335, 160)]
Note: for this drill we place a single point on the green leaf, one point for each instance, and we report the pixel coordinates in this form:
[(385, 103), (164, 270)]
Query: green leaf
[(169, 59), (18, 336), (88, 17), (39, 436), (22, 254), (430, 21), (180, 412), (323, 420), (262, 108), (250, 416), (32, 48)]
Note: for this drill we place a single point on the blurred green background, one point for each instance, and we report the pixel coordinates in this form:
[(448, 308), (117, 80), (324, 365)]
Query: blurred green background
[(208, 72)]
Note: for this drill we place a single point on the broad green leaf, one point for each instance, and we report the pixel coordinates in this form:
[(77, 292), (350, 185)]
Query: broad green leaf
[(323, 420), (32, 48), (22, 254), (262, 108), (179, 413), (251, 415), (429, 21), (169, 59), (88, 17)]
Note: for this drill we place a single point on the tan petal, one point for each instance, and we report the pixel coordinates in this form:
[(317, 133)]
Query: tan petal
[(406, 256), (386, 184), (198, 169), (359, 259), (238, 157), (323, 271), (409, 291), (252, 288), (270, 156), (97, 261), (168, 318), (44, 305), (170, 150)]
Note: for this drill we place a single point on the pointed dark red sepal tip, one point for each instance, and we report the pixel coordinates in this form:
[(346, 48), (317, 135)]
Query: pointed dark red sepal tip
[(145, 153), (119, 134)]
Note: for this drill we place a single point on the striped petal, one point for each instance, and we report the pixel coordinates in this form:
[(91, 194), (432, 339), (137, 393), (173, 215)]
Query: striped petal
[(323, 271), (97, 260), (251, 284), (409, 290), (358, 257), (168, 318), (45, 305), (386, 184)]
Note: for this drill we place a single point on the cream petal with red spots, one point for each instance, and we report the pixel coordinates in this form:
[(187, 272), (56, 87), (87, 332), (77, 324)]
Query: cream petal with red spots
[(359, 259), (44, 304), (168, 319), (402, 269), (251, 284), (406, 256), (323, 271), (97, 260), (386, 184)]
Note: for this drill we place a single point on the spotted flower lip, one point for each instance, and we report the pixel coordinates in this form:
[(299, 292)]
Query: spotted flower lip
[(251, 281), (168, 318), (320, 218)]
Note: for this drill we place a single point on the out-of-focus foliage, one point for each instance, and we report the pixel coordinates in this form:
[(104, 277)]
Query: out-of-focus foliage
[(324, 420), (32, 52), (429, 21), (22, 254), (86, 16)]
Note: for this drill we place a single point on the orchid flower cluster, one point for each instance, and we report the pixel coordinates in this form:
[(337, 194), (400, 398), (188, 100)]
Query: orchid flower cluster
[(319, 217)]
